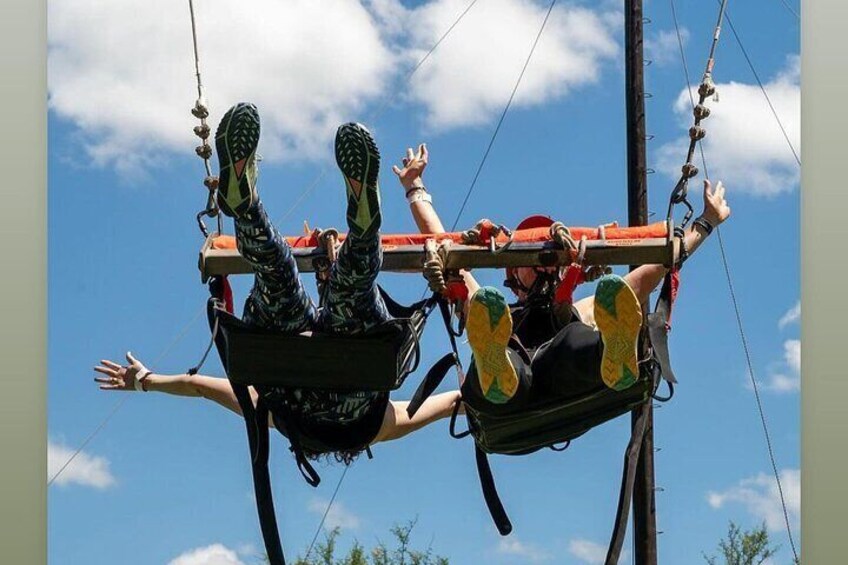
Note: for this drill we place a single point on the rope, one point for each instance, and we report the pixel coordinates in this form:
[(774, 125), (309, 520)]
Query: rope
[(741, 328), (327, 511), (763, 89), (503, 115), (121, 402), (204, 150), (379, 112)]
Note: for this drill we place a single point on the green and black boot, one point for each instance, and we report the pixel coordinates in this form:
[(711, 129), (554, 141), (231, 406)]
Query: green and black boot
[(359, 161), (236, 140)]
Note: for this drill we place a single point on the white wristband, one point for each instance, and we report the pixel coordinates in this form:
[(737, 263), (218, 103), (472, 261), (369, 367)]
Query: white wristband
[(419, 195), (139, 386)]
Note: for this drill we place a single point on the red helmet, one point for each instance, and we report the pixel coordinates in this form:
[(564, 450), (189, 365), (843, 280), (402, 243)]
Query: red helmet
[(528, 223)]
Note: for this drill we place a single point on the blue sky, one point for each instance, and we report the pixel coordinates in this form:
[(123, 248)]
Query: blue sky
[(167, 480)]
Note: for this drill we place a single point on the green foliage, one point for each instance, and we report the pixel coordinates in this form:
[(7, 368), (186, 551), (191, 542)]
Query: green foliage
[(750, 547), (400, 554)]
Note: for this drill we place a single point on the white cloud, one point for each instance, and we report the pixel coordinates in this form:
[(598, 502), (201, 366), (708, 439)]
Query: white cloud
[(664, 47), (589, 551), (789, 380), (470, 80), (337, 517), (528, 552), (125, 76), (86, 470), (792, 354), (791, 316), (760, 497), (744, 144), (215, 554)]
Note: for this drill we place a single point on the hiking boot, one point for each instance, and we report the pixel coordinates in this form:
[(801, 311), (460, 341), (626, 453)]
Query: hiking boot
[(489, 327), (236, 140), (359, 161), (618, 315)]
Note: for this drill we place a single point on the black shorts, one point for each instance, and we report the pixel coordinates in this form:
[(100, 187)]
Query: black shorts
[(568, 365)]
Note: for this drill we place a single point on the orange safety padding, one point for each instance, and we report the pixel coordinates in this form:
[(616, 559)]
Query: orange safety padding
[(535, 235)]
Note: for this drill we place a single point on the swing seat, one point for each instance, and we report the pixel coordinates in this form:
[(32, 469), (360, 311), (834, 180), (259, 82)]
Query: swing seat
[(378, 360), (550, 422)]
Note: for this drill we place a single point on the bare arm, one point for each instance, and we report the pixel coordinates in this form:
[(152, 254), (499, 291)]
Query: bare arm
[(123, 377), (644, 279), (424, 213), (397, 423)]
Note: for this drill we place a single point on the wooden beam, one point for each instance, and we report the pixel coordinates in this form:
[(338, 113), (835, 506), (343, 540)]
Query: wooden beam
[(410, 258)]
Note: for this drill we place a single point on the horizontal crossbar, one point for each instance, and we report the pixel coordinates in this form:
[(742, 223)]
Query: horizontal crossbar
[(410, 258)]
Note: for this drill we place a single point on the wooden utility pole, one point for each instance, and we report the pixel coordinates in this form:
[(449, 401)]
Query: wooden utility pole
[(644, 507)]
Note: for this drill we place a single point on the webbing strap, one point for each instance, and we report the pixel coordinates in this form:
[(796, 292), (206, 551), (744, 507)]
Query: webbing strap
[(437, 372), (256, 422), (658, 326), (430, 383), (303, 465), (628, 478), (490, 493)]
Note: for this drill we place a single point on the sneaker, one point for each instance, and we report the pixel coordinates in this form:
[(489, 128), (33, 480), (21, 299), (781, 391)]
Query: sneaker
[(359, 160), (236, 140), (618, 315), (489, 327)]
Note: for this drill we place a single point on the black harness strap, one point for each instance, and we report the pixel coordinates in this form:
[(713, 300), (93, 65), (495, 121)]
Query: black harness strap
[(628, 478), (490, 493), (657, 323), (431, 382), (256, 422), (303, 465), (437, 372)]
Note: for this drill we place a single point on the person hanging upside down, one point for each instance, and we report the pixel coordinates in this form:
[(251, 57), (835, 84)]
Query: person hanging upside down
[(329, 422), (538, 348)]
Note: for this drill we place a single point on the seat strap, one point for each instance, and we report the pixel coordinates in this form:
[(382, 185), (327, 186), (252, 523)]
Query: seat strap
[(658, 325), (303, 465), (431, 382), (256, 422), (628, 478), (490, 493), (437, 372)]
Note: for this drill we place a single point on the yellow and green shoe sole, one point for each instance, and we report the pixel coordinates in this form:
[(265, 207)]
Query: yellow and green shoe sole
[(489, 327), (618, 315)]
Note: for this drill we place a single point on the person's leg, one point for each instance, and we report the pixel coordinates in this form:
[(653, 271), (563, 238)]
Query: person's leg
[(579, 359), (278, 299), (353, 302)]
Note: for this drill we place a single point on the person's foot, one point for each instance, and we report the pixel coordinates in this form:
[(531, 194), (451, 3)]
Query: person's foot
[(359, 160), (618, 315), (489, 327), (236, 140)]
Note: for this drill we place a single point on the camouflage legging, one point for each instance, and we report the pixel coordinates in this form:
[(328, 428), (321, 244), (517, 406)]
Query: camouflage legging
[(278, 300)]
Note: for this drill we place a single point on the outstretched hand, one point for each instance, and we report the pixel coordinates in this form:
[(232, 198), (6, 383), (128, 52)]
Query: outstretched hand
[(413, 168), (120, 377), (716, 209)]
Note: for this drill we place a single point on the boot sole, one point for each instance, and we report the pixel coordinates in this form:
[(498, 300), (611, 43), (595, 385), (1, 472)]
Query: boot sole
[(618, 315), (236, 140), (358, 158), (489, 327)]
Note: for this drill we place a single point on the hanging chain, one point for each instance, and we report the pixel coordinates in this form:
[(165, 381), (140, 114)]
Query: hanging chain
[(700, 111), (204, 150)]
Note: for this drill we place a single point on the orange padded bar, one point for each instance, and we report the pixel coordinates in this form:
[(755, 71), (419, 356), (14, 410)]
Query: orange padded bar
[(532, 247), (535, 235)]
